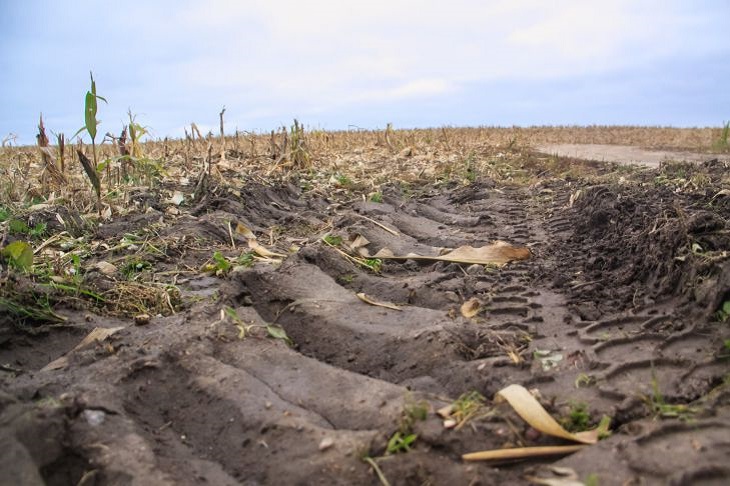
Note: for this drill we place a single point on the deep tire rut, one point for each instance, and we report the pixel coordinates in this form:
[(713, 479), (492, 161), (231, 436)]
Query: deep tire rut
[(198, 404)]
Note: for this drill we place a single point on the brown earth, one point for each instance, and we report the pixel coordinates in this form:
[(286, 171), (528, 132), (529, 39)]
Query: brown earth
[(615, 314)]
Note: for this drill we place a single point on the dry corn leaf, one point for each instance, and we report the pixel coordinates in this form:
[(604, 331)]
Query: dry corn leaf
[(521, 453), (527, 407), (357, 243), (498, 253), (370, 301), (243, 230), (471, 307), (98, 334), (261, 251)]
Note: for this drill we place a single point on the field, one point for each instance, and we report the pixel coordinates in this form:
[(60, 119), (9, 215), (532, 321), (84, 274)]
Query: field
[(300, 308)]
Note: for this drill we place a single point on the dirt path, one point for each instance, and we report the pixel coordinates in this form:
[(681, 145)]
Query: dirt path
[(623, 154), (614, 315)]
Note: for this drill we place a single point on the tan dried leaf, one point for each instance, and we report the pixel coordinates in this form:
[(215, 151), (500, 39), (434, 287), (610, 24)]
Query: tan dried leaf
[(471, 307)]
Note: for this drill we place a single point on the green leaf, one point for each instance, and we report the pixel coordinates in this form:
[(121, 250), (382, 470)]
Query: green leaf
[(277, 332), (78, 131), (90, 113), (19, 254)]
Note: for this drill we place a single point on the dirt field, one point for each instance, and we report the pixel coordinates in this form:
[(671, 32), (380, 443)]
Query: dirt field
[(237, 350)]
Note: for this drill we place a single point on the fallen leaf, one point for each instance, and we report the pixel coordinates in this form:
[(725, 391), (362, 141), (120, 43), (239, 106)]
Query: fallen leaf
[(358, 243), (261, 251), (243, 230), (498, 253), (105, 267), (370, 301), (471, 307), (527, 407), (98, 334), (521, 453)]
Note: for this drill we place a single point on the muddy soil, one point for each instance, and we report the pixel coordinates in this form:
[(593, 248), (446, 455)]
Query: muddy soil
[(616, 312)]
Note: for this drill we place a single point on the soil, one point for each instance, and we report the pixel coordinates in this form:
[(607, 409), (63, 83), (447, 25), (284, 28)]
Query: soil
[(622, 294)]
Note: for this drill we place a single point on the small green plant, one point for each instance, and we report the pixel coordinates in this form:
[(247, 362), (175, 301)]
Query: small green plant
[(347, 278), (724, 312), (221, 263), (583, 380), (90, 123), (578, 418), (244, 330), (18, 227), (660, 408), (374, 264), (470, 173), (468, 406), (245, 259), (343, 181), (134, 266), (591, 480), (19, 254), (376, 197), (333, 240), (5, 214), (399, 442)]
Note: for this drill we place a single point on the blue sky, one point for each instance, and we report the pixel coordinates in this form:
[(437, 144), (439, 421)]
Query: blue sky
[(334, 64)]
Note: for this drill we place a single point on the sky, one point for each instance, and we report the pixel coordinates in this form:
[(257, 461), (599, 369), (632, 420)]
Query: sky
[(337, 64)]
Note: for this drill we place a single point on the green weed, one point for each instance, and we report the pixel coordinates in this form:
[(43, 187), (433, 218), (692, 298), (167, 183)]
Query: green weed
[(723, 313), (592, 480), (660, 408), (245, 259), (221, 263), (468, 406), (347, 278), (244, 330), (400, 443), (333, 240), (19, 254), (578, 418), (376, 197), (374, 264), (18, 227), (135, 266), (584, 380), (343, 181)]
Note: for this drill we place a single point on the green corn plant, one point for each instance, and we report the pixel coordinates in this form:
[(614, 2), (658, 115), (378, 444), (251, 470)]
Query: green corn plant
[(90, 123)]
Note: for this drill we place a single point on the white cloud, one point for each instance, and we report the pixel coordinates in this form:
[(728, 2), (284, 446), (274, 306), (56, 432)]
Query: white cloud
[(273, 60)]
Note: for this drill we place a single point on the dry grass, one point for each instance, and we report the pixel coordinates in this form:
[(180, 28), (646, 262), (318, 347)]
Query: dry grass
[(345, 164)]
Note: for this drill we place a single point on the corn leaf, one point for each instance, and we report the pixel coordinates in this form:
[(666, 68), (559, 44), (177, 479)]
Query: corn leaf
[(19, 254)]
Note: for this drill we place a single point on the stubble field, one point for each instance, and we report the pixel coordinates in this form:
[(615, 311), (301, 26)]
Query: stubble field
[(314, 307)]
